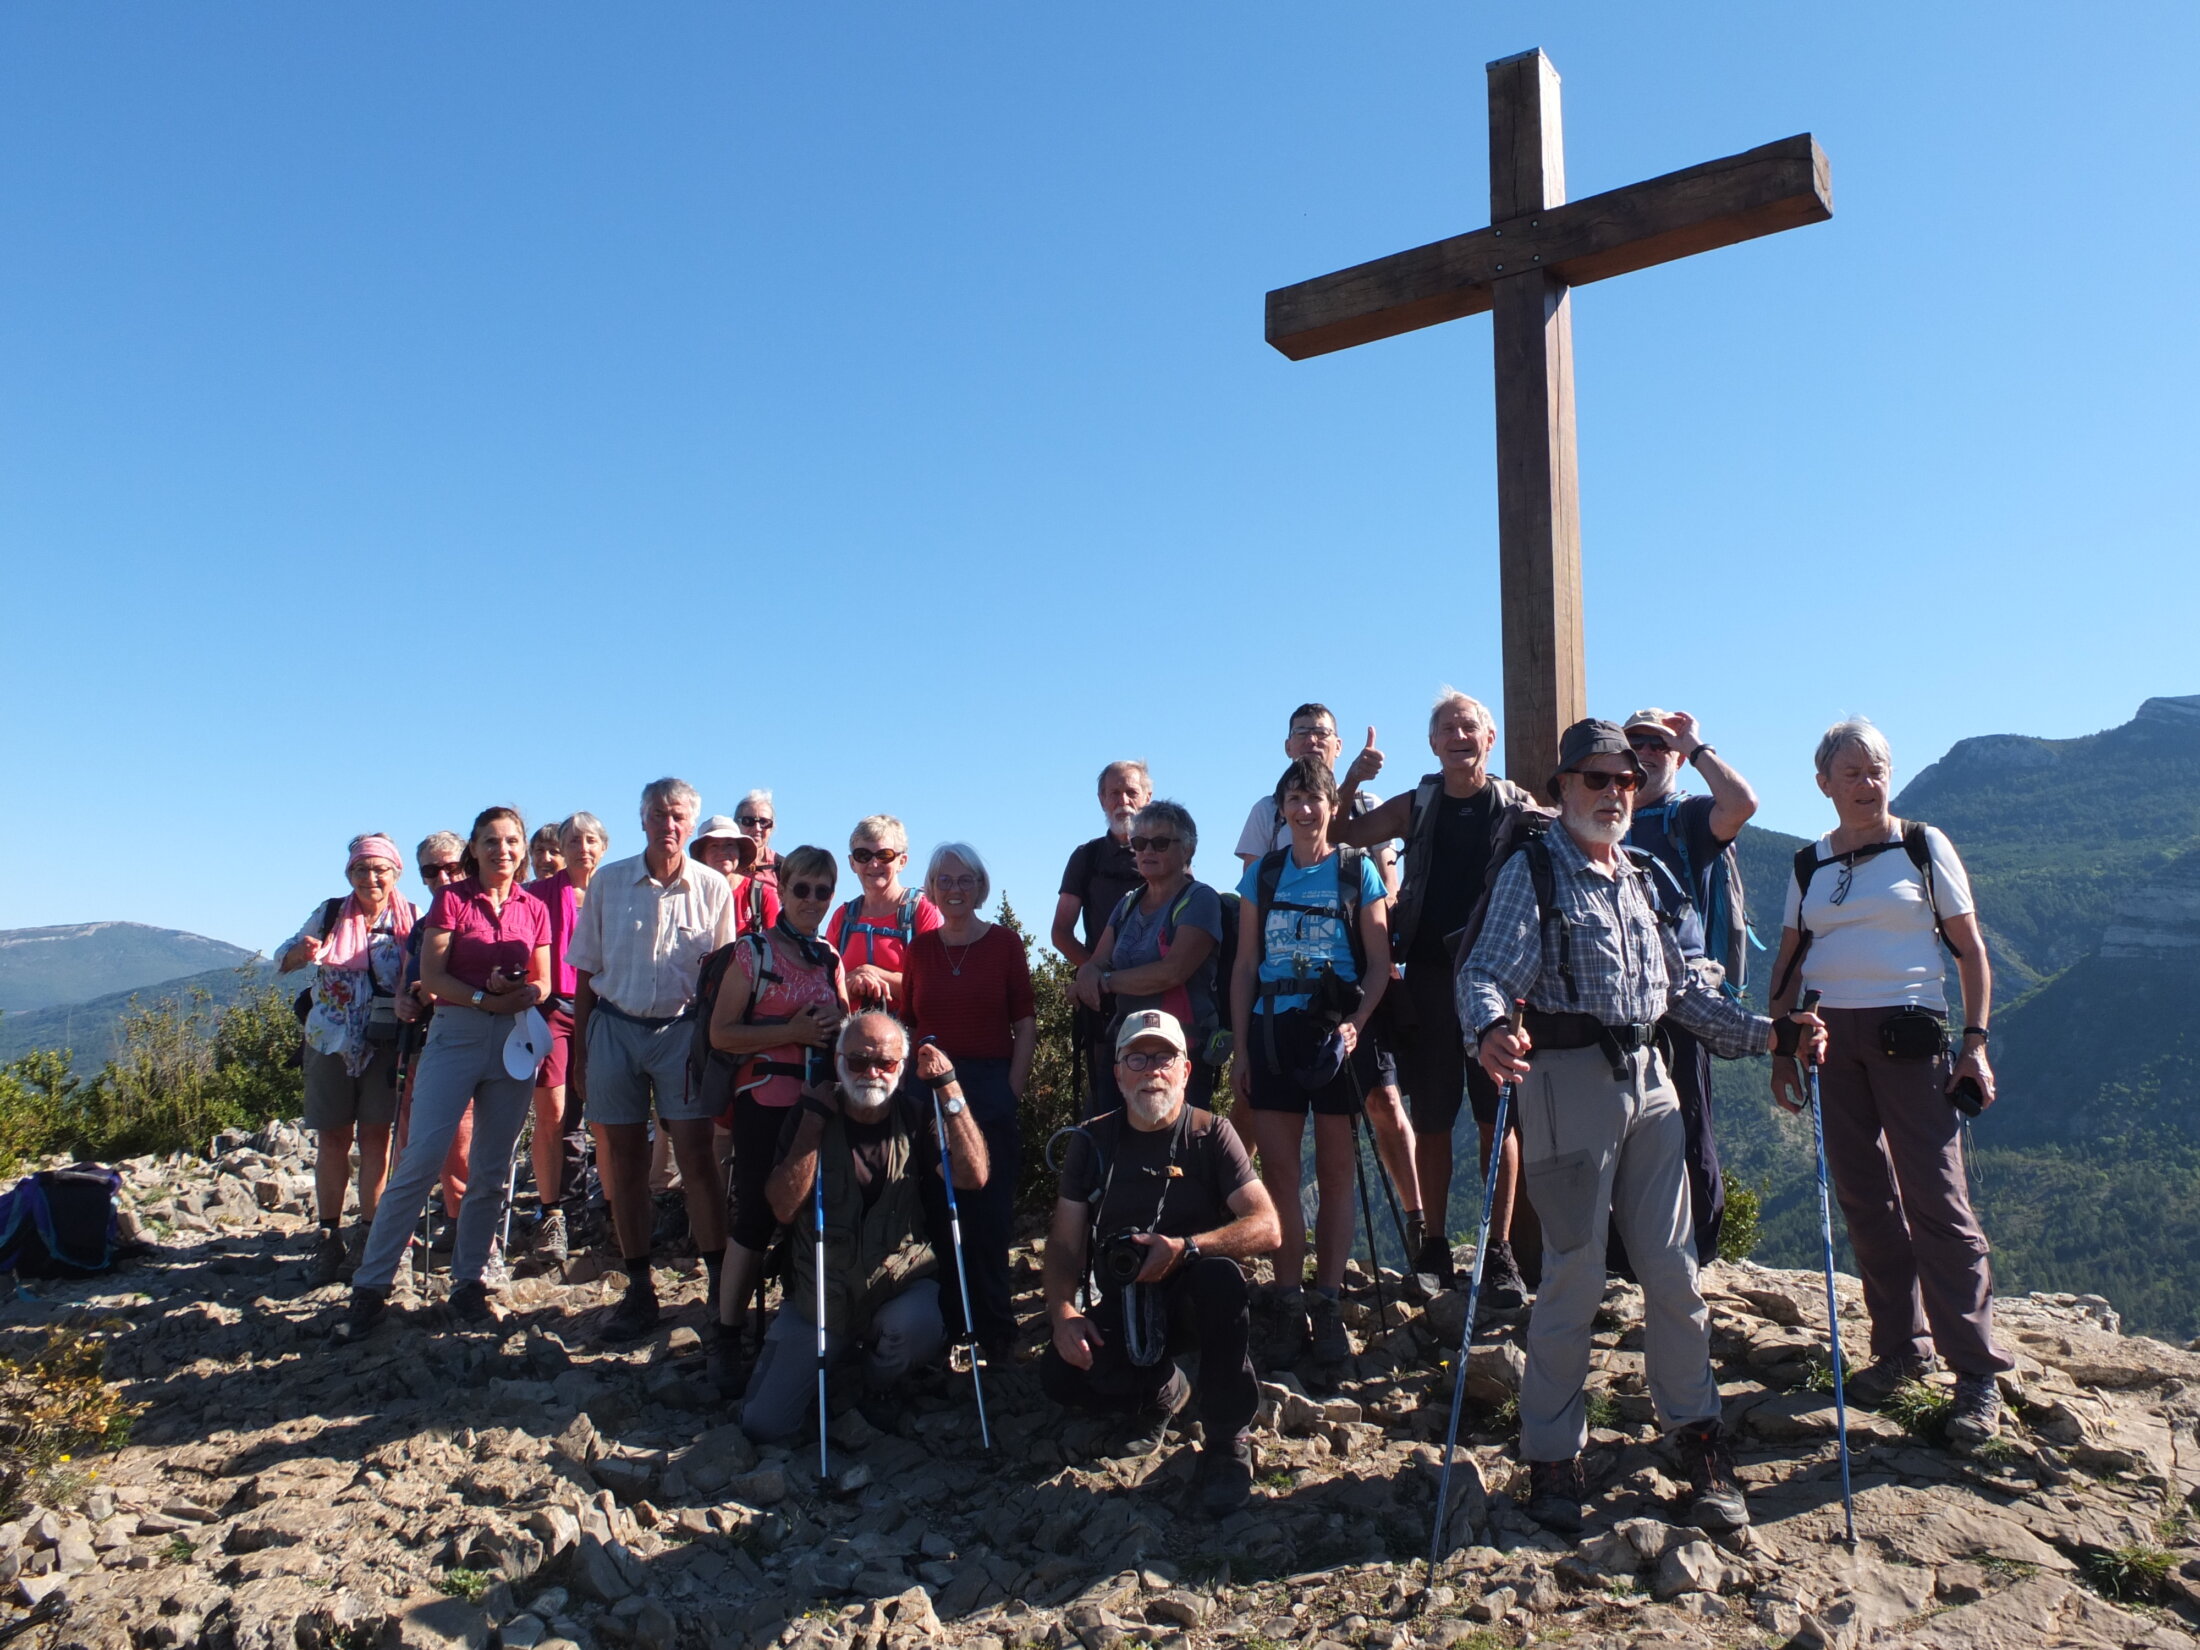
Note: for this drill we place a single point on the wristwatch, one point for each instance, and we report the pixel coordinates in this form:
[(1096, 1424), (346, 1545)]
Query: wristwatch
[(954, 1105), (1695, 757), (1190, 1257), (1980, 1032), (478, 996)]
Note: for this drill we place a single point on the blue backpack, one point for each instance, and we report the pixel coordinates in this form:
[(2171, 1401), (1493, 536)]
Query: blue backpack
[(61, 1223)]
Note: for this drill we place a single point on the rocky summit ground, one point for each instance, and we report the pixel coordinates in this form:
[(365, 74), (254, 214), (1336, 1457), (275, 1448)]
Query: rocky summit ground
[(443, 1488)]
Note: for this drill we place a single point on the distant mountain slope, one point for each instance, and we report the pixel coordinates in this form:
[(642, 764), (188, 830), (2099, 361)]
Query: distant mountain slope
[(74, 963), (88, 1029)]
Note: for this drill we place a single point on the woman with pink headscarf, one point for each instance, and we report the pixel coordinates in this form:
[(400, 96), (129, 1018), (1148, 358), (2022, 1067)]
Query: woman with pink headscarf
[(355, 946)]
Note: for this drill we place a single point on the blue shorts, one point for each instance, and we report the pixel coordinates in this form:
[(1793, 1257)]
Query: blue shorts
[(633, 1066)]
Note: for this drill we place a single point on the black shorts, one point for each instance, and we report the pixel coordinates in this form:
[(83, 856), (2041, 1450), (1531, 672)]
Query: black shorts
[(756, 1130), (1432, 1057), (1296, 1037)]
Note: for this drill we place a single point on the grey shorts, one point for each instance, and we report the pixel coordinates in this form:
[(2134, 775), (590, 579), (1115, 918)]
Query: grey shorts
[(631, 1067), (336, 1100)]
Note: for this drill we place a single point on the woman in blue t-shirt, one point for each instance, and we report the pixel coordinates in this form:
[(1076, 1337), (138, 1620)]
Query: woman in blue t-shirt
[(1312, 927)]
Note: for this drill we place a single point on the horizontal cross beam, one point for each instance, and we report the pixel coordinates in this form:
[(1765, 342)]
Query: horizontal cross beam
[(1758, 192)]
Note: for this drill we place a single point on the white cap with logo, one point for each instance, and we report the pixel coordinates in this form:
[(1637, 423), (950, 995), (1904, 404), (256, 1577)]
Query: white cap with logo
[(1151, 1022)]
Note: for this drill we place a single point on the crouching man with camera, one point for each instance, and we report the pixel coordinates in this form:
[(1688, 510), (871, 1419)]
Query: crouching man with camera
[(1162, 1202)]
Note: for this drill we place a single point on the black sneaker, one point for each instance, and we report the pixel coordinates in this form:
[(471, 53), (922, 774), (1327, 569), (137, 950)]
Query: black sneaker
[(1556, 1491), (360, 1317), (634, 1316), (1874, 1384), (1434, 1258), (1714, 1495), (726, 1366), (1416, 1233), (1150, 1428), (1503, 1288), (1330, 1344), (1976, 1416), (329, 1256), (1222, 1480), (469, 1303)]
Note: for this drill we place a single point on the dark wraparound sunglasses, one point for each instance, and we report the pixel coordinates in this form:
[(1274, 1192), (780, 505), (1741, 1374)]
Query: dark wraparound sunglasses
[(874, 856), (1647, 742), (749, 822), (1597, 781), (873, 1063), (1159, 844), (809, 890)]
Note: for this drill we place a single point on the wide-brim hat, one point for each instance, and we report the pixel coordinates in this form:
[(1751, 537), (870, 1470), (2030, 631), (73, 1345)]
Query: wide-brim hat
[(1656, 720), (723, 828)]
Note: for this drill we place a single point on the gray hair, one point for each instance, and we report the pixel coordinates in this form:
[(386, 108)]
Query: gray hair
[(666, 791), (757, 795), (1448, 696), (840, 1043), (1161, 811), (883, 829), (1857, 731), (1127, 765), (586, 823), (449, 842), (969, 856)]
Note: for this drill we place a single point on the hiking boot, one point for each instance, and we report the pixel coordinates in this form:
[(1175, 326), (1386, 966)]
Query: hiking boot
[(1416, 1234), (1150, 1427), (551, 1247), (1222, 1479), (329, 1256), (634, 1316), (1503, 1288), (726, 1364), (1556, 1491), (1976, 1416), (1330, 1344), (1715, 1499), (1434, 1257), (1874, 1384), (1288, 1345), (360, 1317), (469, 1303)]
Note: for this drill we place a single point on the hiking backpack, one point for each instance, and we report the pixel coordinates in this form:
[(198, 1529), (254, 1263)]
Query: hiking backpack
[(1348, 899), (904, 925), (1226, 949), (1728, 937), (61, 1223), (302, 1004), (1913, 842)]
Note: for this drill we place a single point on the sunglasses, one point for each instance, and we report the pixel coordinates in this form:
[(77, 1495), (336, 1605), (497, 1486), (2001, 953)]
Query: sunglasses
[(749, 822), (1136, 1061), (1159, 844), (1593, 781), (873, 856), (871, 1064), (428, 873), (1646, 742), (809, 890)]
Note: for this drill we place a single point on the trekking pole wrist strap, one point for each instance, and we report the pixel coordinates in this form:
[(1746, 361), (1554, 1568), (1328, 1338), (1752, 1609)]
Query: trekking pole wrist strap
[(1787, 1037), (946, 1080)]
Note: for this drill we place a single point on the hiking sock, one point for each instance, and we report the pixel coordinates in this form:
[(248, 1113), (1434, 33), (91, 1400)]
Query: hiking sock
[(715, 1265), (638, 1275), (1332, 1296)]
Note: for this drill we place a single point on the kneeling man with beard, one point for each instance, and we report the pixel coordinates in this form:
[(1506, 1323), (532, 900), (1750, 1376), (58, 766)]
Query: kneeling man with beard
[(872, 1139), (1163, 1201)]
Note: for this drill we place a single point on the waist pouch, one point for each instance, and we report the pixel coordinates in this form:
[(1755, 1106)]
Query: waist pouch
[(383, 1033), (1913, 1033)]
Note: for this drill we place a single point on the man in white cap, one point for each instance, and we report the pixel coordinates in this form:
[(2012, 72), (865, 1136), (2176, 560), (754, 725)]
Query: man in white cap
[(1161, 1197)]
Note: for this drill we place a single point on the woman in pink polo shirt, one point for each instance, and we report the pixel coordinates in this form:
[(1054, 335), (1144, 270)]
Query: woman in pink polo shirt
[(486, 961)]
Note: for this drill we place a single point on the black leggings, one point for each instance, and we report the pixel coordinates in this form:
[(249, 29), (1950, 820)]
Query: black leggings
[(756, 1129)]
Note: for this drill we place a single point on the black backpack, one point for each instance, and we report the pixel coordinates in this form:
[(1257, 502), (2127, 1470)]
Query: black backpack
[(302, 1004), (1348, 899), (61, 1223), (1914, 842)]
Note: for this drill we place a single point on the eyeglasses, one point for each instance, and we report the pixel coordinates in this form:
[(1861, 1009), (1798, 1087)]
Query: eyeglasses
[(749, 822), (968, 879), (1313, 733), (874, 1064), (1135, 1061), (873, 856), (1646, 742), (1593, 781), (1159, 844), (809, 890)]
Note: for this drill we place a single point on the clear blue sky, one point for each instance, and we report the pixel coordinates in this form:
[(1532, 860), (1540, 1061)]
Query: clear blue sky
[(407, 408)]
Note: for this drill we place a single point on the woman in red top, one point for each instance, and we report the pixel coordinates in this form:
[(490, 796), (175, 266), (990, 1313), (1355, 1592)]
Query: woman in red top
[(486, 961), (968, 986), (873, 933)]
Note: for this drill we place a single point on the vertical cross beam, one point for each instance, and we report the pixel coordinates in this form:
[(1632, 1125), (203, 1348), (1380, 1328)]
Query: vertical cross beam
[(1538, 500)]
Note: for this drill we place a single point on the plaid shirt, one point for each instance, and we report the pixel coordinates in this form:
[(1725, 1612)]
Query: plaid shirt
[(1627, 966)]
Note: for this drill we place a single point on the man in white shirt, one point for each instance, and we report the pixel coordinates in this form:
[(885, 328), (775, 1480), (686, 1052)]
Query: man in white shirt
[(637, 950)]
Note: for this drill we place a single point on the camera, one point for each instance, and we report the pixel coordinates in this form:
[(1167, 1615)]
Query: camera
[(1120, 1259)]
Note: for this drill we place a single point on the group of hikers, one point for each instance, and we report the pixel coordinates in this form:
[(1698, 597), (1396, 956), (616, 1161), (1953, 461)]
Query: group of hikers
[(836, 1085)]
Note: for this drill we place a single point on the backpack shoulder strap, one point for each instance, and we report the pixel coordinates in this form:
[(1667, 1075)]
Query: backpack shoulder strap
[(908, 919), (1918, 844), (329, 909), (1543, 878), (1121, 913)]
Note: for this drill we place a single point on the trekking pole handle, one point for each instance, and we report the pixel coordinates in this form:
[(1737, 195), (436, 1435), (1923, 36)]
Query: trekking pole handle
[(1809, 1005)]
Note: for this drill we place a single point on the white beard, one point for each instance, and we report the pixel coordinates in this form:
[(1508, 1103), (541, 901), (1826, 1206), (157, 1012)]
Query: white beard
[(1152, 1108), (865, 1094), (1588, 827), (1119, 822)]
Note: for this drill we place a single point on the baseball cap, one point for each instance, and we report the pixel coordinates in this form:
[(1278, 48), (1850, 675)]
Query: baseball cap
[(1151, 1022)]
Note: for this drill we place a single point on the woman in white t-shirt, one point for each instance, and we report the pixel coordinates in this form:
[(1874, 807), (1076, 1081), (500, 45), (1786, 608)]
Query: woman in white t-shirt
[(1867, 916)]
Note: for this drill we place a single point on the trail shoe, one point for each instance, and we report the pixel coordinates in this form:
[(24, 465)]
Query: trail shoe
[(1503, 1288), (634, 1316), (726, 1367), (329, 1256), (469, 1303), (1556, 1491), (1288, 1345), (1874, 1384), (360, 1317), (551, 1244), (1416, 1233), (1330, 1343), (1434, 1258), (1150, 1426), (1715, 1499), (1976, 1416), (1222, 1479)]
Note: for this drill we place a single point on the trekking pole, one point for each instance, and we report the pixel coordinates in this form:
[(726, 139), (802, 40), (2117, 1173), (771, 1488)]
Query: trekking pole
[(969, 1347), (1382, 1172), (1833, 1303), (818, 1189), (1367, 1219), (1474, 1300)]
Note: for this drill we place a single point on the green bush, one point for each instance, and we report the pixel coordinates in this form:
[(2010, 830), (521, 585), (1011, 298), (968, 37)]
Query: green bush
[(1052, 1095), (1744, 1217), (186, 1071)]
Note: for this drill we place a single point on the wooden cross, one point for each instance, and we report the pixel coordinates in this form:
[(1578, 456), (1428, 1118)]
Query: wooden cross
[(1521, 268)]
